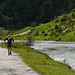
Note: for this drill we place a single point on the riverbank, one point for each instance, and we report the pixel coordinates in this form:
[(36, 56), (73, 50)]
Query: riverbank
[(41, 62)]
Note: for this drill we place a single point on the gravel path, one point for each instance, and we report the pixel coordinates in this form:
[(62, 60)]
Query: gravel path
[(13, 64)]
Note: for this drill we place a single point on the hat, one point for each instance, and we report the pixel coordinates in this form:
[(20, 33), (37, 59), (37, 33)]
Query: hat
[(8, 35)]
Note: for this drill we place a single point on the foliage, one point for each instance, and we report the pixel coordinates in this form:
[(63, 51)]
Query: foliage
[(3, 33), (17, 14), (54, 30), (30, 41), (50, 31)]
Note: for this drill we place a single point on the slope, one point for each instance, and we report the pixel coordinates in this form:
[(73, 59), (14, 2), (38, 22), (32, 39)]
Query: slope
[(61, 28)]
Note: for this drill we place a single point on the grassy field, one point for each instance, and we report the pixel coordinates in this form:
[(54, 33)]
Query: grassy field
[(40, 62)]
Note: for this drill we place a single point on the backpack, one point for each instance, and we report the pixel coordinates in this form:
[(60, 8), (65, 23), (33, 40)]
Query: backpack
[(9, 40)]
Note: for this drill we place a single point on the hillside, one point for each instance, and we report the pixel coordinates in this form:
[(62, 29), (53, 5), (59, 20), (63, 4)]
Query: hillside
[(17, 14), (60, 29), (4, 33)]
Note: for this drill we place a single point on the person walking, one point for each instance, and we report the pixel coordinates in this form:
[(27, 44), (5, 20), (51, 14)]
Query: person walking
[(9, 41)]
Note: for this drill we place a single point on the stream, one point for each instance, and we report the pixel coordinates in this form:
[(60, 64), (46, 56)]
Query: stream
[(59, 51)]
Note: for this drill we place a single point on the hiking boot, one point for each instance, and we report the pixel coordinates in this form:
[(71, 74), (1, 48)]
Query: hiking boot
[(10, 53)]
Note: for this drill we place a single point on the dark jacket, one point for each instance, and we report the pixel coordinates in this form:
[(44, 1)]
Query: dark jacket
[(7, 39)]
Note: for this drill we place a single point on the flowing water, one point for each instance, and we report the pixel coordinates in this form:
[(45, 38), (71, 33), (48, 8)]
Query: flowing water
[(58, 51)]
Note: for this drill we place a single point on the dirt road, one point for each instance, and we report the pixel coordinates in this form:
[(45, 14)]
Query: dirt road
[(13, 64), (26, 32)]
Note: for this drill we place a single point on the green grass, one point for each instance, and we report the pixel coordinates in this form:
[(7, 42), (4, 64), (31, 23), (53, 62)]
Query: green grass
[(22, 37), (69, 36), (3, 37), (40, 62)]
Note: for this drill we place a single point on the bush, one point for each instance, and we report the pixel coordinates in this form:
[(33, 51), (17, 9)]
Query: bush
[(43, 31), (48, 30), (73, 10), (70, 29), (36, 33), (30, 41), (56, 27), (49, 26), (63, 18), (45, 34), (52, 29), (56, 20), (73, 15), (3, 32)]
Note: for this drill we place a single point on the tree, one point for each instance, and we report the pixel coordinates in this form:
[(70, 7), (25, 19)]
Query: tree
[(3, 31), (20, 13), (1, 19)]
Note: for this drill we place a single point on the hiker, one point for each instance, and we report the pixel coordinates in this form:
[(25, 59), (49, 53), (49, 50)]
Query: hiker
[(9, 41)]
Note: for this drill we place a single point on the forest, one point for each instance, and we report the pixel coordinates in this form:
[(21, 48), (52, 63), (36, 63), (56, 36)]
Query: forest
[(17, 14)]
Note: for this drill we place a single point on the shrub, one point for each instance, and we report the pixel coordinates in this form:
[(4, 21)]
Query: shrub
[(48, 30), (70, 20), (73, 15), (74, 33), (56, 20), (49, 26), (60, 30), (56, 27), (30, 41), (58, 17), (70, 29), (73, 10), (52, 33), (63, 18), (45, 34), (43, 31), (36, 33), (52, 29), (64, 15), (32, 29)]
